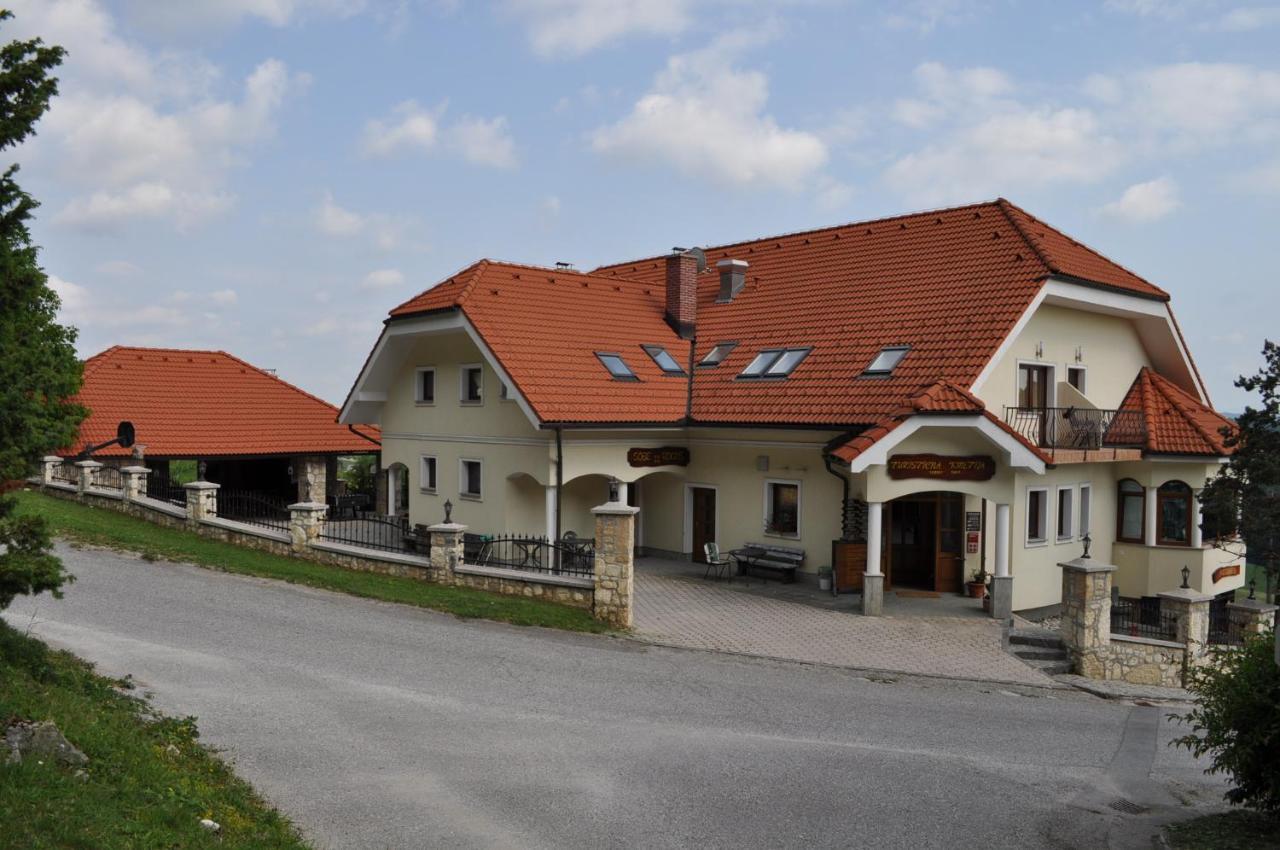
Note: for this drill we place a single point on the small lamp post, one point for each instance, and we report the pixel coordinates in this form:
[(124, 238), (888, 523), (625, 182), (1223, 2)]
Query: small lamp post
[(1088, 541), (613, 489), (1253, 586), (1186, 578), (448, 511)]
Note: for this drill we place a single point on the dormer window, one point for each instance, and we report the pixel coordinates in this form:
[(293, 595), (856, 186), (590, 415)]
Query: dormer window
[(617, 367), (663, 358), (887, 360), (716, 355), (775, 363)]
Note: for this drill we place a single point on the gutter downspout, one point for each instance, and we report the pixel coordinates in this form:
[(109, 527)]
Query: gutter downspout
[(844, 483)]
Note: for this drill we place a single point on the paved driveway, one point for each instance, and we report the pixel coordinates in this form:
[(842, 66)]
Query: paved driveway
[(695, 613), (383, 726)]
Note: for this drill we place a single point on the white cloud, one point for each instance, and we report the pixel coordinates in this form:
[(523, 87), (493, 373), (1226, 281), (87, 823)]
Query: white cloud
[(483, 141), (411, 127), (224, 297), (1147, 201), (382, 279), (118, 268), (196, 15), (551, 206), (706, 118), (82, 307), (333, 220), (575, 27), (1265, 179), (947, 91), (1006, 152), (1249, 18), (141, 134)]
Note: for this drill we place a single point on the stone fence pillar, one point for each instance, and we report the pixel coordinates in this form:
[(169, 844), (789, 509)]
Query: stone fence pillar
[(312, 474), (1191, 607), (1086, 615), (306, 520), (615, 563), (88, 474), (202, 500), (135, 482), (48, 464), (1254, 615), (446, 549)]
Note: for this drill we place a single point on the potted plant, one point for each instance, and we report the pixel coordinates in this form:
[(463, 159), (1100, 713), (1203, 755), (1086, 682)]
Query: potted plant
[(824, 578), (977, 585)]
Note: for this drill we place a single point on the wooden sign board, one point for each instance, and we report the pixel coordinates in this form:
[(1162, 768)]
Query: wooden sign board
[(666, 456), (942, 467), (1225, 572)]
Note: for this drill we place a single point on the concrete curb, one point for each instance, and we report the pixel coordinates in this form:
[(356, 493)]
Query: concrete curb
[(1124, 690)]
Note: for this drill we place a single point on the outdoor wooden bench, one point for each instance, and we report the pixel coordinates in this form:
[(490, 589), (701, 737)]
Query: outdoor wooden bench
[(783, 560)]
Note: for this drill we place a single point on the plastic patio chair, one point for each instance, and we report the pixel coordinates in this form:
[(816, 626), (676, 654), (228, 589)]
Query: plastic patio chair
[(715, 561)]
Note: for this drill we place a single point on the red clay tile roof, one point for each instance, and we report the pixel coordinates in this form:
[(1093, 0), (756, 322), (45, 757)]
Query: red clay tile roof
[(940, 398), (205, 404), (546, 326), (1177, 423), (951, 284)]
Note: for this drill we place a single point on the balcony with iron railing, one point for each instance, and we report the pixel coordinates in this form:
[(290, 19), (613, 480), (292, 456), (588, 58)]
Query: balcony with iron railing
[(1078, 428)]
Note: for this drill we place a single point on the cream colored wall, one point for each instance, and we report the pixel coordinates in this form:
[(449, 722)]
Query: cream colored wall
[(496, 432), (1113, 355)]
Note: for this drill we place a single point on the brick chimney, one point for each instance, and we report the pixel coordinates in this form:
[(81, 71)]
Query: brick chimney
[(682, 290)]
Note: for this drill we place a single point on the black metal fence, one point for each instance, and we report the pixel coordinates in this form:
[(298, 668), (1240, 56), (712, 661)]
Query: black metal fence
[(575, 556), (109, 478), (165, 489), (254, 508), (1078, 427), (1143, 618), (1224, 628), (374, 531), (66, 473)]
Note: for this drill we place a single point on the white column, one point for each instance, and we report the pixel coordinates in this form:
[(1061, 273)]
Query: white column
[(393, 498), (551, 511), (1002, 540), (1197, 517), (624, 492), (873, 537), (1149, 532)]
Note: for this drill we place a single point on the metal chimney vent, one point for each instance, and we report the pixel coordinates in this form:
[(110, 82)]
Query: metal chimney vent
[(733, 276)]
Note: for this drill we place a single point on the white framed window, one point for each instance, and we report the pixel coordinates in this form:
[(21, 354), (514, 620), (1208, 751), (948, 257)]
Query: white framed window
[(1077, 377), (471, 383), (1065, 518), (1086, 509), (427, 474), (424, 385), (470, 479), (1037, 516), (782, 507)]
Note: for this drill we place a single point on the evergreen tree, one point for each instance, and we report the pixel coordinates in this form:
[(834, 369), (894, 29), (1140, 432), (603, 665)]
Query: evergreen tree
[(39, 370), (1245, 494)]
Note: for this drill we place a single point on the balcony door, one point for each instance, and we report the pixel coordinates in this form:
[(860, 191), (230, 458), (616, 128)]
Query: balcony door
[(1033, 397)]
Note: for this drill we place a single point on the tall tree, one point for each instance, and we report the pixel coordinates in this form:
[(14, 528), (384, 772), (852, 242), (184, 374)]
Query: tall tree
[(39, 371), (1244, 496)]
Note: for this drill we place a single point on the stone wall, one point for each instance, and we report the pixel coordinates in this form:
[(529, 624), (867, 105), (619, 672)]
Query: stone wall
[(1141, 661)]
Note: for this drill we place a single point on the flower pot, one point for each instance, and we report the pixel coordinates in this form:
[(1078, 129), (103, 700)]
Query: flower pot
[(824, 582), (977, 589)]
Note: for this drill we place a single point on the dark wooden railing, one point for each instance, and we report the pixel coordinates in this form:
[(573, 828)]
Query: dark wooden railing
[(1078, 427)]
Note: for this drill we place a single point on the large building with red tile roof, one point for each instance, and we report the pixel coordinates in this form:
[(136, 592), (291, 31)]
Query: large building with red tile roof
[(915, 399), (248, 428)]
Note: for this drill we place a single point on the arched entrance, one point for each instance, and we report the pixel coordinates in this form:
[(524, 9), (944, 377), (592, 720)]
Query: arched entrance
[(397, 489), (924, 539)]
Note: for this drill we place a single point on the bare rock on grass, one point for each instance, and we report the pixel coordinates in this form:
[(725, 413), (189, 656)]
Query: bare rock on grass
[(41, 741)]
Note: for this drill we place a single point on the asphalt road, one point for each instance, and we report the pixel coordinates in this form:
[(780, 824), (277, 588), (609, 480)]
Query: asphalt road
[(376, 725)]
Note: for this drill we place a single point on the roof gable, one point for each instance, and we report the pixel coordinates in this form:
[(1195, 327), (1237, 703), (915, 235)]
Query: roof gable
[(188, 403), (1176, 422)]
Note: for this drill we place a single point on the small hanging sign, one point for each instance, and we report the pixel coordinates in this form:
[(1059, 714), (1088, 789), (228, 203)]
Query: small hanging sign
[(665, 456), (942, 467)]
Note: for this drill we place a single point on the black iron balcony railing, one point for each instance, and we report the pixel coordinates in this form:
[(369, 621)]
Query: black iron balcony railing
[(1078, 427)]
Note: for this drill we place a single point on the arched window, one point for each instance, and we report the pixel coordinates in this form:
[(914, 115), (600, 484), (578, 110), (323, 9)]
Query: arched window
[(1131, 510), (1173, 512)]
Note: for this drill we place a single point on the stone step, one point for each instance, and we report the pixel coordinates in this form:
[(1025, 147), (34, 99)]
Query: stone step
[(1040, 653), (1035, 637), (1052, 668)]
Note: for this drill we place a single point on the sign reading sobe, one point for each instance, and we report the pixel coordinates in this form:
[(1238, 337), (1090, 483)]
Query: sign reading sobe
[(666, 456), (942, 467)]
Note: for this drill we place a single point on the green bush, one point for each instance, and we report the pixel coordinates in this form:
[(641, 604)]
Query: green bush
[(1237, 722)]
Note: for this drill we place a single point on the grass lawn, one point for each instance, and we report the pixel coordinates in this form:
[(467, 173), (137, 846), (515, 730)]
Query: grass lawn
[(1238, 830), (108, 528), (148, 782)]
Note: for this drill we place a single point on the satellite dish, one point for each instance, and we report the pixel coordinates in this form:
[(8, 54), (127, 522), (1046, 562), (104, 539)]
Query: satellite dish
[(124, 434), (701, 256)]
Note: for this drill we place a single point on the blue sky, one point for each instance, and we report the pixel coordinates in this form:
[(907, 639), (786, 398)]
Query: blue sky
[(270, 176)]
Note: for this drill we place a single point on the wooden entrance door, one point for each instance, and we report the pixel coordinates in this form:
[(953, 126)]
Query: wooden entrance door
[(948, 572), (925, 541), (704, 521)]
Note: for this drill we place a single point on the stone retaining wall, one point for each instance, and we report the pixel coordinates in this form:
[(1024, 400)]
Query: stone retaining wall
[(1141, 661)]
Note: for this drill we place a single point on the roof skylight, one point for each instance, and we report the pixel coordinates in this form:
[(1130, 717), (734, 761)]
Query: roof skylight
[(617, 367), (716, 355), (774, 363), (663, 358), (887, 360)]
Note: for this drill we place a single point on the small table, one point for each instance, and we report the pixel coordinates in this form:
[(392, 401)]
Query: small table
[(746, 555)]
